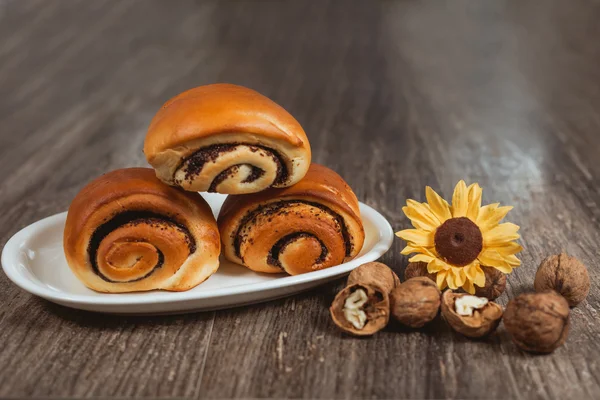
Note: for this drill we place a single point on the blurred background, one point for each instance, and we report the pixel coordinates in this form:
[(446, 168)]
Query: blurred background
[(394, 95), (483, 88), (412, 92)]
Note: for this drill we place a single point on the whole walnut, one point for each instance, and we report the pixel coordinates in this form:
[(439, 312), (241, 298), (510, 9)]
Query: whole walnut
[(415, 302), (481, 320), (567, 275), (538, 322), (416, 269), (495, 284), (374, 273)]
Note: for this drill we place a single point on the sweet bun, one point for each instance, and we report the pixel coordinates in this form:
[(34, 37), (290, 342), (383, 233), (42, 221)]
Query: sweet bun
[(312, 225), (127, 231), (228, 139)]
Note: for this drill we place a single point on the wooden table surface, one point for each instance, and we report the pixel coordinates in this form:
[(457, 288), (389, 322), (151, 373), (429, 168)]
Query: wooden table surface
[(394, 95)]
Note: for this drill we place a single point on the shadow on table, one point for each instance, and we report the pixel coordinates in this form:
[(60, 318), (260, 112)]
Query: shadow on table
[(107, 321)]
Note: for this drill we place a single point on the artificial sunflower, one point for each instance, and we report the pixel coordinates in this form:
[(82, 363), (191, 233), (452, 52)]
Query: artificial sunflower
[(456, 241)]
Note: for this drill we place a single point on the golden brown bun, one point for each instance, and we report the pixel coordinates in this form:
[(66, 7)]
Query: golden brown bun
[(228, 139), (312, 225), (126, 231)]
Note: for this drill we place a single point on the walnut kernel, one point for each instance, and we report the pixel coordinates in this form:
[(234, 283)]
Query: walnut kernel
[(362, 308), (484, 319)]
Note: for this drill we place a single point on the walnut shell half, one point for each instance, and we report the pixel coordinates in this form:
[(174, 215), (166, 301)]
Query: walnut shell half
[(567, 275), (483, 321), (369, 311), (538, 322), (415, 302)]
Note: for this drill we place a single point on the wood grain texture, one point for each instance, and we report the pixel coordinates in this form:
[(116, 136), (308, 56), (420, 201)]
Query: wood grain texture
[(394, 95)]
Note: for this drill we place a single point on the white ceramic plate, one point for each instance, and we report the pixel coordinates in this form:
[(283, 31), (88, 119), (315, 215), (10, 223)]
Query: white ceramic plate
[(34, 260)]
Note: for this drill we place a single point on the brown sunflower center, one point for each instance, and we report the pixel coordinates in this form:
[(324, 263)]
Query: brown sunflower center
[(459, 241)]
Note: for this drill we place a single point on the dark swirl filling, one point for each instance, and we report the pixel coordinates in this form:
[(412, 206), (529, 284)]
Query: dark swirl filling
[(279, 247), (279, 207), (135, 217), (194, 164)]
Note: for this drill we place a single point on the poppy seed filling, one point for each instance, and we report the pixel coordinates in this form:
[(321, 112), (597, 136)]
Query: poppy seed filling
[(280, 207), (134, 217), (192, 166)]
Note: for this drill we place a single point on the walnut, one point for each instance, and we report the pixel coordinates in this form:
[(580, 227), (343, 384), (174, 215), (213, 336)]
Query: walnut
[(538, 322), (495, 283), (567, 275), (374, 273), (471, 316), (415, 302), (362, 308), (417, 269)]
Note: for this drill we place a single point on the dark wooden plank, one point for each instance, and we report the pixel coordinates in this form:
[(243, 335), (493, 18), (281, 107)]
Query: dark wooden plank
[(393, 95)]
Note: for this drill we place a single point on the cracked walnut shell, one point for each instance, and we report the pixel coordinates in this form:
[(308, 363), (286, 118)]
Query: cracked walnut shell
[(362, 308), (415, 302), (538, 322), (482, 322), (566, 275)]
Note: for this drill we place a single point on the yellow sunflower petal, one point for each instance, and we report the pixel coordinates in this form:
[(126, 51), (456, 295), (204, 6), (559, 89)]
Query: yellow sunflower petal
[(451, 280), (409, 250), (485, 213), (513, 261), (416, 219), (421, 216), (456, 278), (501, 234), (438, 206), (417, 237), (440, 280), (459, 276), (479, 279), (508, 249), (470, 272), (437, 265), (490, 216), (492, 258), (460, 200), (505, 270), (475, 193), (468, 287), (421, 258)]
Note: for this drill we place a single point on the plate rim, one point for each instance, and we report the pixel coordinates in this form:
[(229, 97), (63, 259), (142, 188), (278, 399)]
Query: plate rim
[(11, 252)]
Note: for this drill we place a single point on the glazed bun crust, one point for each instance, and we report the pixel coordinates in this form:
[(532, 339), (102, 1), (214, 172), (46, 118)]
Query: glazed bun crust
[(312, 225), (127, 231), (228, 139)]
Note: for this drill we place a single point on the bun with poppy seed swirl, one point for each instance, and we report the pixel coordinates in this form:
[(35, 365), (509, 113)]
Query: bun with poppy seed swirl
[(312, 225), (126, 231), (227, 139)]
